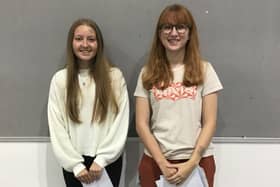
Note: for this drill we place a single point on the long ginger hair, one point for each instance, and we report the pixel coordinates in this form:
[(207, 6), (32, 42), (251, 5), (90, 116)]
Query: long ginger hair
[(157, 70), (99, 70)]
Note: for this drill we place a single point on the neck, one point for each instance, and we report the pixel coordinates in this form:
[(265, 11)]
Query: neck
[(83, 64), (175, 58)]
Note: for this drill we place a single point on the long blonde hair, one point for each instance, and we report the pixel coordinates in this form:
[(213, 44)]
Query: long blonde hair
[(157, 70), (99, 71)]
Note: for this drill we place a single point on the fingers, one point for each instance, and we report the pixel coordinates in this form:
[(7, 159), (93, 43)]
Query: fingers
[(176, 179), (84, 177), (95, 171), (95, 174), (172, 170)]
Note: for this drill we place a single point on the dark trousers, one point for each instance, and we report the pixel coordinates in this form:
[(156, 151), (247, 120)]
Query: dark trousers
[(149, 171), (114, 171)]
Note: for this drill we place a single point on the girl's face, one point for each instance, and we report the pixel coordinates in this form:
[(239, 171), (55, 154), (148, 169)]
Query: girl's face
[(174, 37), (84, 43)]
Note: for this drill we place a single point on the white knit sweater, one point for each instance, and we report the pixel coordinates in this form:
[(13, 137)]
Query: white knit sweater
[(69, 140)]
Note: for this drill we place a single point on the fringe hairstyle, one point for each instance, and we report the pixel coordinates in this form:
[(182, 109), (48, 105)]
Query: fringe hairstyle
[(99, 72), (157, 70)]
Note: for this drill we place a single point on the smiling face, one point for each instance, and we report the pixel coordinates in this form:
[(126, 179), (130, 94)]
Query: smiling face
[(174, 37), (84, 44), (175, 29)]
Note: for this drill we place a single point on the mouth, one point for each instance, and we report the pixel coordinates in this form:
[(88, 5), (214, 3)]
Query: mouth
[(85, 51), (173, 41)]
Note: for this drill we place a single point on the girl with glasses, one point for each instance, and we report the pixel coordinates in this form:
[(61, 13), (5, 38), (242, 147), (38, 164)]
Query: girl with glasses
[(176, 103)]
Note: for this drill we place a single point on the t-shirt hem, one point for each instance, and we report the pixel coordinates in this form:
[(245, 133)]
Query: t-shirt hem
[(208, 152)]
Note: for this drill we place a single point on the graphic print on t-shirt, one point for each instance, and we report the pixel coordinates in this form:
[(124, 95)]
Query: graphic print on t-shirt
[(175, 91)]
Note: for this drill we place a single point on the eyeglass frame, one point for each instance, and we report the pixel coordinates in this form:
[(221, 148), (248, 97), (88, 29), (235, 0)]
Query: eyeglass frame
[(187, 26)]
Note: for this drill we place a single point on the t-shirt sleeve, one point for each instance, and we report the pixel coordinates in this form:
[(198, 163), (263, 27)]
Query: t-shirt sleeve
[(140, 91), (212, 82)]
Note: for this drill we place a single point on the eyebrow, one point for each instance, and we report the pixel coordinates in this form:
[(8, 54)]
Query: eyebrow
[(81, 35)]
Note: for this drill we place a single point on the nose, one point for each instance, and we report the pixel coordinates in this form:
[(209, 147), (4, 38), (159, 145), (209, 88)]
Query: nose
[(174, 31), (84, 43)]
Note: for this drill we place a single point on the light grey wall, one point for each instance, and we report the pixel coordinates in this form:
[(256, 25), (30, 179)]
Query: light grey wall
[(239, 37)]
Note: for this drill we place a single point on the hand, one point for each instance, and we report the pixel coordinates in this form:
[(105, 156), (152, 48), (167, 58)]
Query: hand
[(84, 177), (95, 171), (183, 172), (167, 169)]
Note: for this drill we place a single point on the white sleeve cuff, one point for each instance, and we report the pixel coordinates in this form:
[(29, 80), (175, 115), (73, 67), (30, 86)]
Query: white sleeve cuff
[(100, 161), (78, 168)]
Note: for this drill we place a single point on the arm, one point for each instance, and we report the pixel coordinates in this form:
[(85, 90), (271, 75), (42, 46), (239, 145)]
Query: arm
[(210, 90), (67, 156), (112, 145), (209, 113), (209, 117), (143, 130), (209, 93)]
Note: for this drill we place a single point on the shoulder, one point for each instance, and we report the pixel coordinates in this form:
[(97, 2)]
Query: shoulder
[(117, 80), (115, 73), (212, 82), (141, 72), (59, 78), (205, 64), (207, 67)]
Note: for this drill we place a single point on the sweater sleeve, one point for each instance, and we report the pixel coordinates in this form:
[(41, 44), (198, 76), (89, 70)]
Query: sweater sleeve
[(112, 145), (63, 149)]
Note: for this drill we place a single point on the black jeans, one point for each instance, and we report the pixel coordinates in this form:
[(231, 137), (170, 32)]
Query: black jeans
[(114, 171)]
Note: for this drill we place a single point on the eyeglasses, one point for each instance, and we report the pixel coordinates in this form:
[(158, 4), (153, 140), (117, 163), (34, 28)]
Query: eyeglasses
[(180, 28)]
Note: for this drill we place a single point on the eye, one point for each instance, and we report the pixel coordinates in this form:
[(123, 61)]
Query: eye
[(91, 39), (166, 27), (78, 38), (181, 27)]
